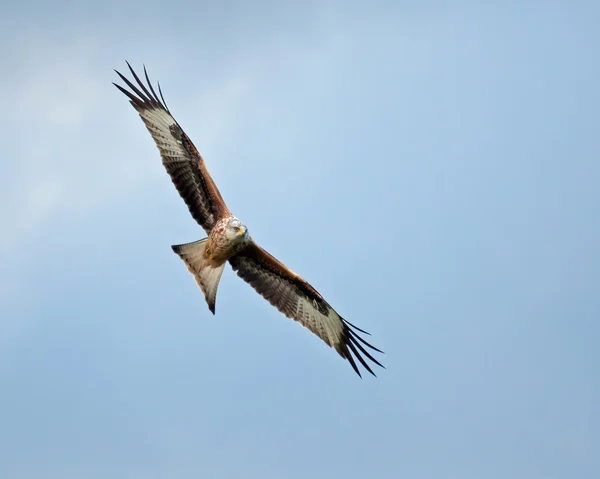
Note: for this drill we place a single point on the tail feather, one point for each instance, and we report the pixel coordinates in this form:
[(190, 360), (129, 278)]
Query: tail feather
[(207, 275)]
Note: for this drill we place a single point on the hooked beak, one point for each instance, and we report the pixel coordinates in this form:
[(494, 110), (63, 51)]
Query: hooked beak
[(241, 232)]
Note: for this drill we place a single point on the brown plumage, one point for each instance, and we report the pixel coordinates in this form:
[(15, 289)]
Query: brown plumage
[(228, 238)]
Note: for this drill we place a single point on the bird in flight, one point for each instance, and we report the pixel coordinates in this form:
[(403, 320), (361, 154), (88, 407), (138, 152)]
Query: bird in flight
[(228, 239)]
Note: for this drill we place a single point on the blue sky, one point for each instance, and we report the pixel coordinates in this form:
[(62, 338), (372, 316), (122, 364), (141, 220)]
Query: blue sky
[(431, 168)]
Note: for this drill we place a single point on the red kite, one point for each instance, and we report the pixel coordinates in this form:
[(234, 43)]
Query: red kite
[(228, 238)]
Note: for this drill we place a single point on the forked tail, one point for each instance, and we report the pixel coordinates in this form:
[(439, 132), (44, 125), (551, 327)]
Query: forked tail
[(206, 273)]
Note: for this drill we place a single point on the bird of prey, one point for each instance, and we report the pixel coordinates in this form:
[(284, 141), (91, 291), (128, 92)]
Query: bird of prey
[(228, 239)]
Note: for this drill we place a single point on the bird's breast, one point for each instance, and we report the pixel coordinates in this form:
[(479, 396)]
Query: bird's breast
[(220, 248)]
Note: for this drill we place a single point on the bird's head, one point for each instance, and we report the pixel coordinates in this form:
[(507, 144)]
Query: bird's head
[(236, 230)]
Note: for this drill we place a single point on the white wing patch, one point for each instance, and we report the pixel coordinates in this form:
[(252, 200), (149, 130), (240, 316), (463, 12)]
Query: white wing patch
[(329, 328), (159, 124)]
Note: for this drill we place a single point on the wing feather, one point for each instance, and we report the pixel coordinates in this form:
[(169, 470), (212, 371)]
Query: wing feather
[(179, 156), (298, 300)]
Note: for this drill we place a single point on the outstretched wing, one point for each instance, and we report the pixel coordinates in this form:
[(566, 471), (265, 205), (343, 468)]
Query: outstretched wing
[(298, 300), (179, 155)]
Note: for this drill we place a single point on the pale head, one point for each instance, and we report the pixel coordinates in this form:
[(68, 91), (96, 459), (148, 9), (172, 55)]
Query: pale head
[(236, 231)]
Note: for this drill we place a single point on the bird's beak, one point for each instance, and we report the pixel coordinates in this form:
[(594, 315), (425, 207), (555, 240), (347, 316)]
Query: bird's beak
[(240, 232)]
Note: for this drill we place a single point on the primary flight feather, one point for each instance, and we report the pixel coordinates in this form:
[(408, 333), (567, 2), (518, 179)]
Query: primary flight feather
[(228, 239)]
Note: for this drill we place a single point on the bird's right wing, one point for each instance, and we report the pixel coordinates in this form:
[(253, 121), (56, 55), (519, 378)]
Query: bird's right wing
[(298, 300), (180, 157)]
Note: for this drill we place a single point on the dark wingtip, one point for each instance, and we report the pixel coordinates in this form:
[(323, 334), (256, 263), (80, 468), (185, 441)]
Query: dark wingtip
[(356, 336), (360, 358), (356, 327), (162, 97), (352, 350), (142, 95), (130, 69), (353, 364)]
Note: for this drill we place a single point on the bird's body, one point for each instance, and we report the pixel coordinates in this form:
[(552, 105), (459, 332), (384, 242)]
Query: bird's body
[(228, 239)]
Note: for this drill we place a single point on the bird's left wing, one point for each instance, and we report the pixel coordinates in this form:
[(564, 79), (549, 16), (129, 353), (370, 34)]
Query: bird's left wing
[(298, 300), (180, 157)]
